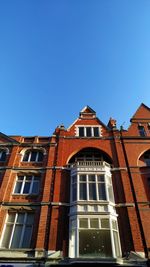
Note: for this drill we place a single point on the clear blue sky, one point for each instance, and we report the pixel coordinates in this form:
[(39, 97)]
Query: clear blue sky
[(57, 56)]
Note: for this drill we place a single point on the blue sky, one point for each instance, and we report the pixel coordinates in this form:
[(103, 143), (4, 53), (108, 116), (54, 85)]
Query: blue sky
[(57, 56)]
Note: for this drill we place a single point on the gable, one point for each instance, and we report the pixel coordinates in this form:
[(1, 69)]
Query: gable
[(87, 119), (143, 112)]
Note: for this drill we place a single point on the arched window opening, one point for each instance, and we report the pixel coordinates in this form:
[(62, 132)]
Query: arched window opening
[(3, 155), (33, 156), (144, 159)]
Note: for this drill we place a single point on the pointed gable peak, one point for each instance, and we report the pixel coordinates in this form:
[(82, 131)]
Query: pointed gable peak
[(143, 112), (87, 112)]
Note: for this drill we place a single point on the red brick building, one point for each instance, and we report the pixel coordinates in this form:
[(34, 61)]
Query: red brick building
[(78, 197)]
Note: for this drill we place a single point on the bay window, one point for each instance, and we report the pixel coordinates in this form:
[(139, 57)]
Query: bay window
[(97, 237), (91, 187)]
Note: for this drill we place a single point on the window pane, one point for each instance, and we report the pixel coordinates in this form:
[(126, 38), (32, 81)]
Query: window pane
[(100, 178), (105, 223), (88, 131), (83, 178), (33, 155), (28, 178), (20, 218), (18, 187), (2, 155), (83, 193), (96, 243), (110, 193), (35, 187), (94, 223), (16, 236), (26, 156), (11, 217), (96, 131), (116, 242), (7, 236), (142, 131), (102, 191), (114, 225), (92, 178), (20, 178), (27, 237), (83, 223), (26, 188), (30, 218), (92, 191), (81, 131), (40, 156)]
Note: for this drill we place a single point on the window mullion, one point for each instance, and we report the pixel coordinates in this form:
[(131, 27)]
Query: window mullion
[(31, 184), (78, 187), (92, 131), (13, 229), (87, 186), (112, 239), (29, 157), (106, 187), (37, 155), (77, 238), (23, 184), (97, 195)]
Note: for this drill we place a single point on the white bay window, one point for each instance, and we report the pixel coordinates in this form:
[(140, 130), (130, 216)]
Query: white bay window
[(93, 219)]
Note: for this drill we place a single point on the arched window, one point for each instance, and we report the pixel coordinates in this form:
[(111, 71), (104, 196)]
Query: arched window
[(33, 156), (144, 159), (147, 158), (3, 155)]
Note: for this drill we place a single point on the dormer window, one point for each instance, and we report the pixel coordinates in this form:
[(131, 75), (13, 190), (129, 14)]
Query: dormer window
[(89, 131), (33, 156)]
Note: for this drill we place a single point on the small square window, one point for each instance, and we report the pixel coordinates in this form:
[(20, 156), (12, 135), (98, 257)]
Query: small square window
[(83, 223), (105, 223), (94, 223)]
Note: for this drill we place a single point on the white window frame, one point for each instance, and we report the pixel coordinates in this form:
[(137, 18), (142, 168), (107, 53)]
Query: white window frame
[(107, 183), (29, 156), (74, 248), (23, 184), (92, 130), (13, 230)]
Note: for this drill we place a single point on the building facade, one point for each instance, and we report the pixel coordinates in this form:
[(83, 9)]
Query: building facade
[(80, 196)]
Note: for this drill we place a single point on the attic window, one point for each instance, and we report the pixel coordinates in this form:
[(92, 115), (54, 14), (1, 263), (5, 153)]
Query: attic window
[(89, 131)]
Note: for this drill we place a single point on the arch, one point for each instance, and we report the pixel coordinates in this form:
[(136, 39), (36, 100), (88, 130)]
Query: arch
[(43, 150), (33, 154), (88, 152), (6, 149), (144, 158)]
